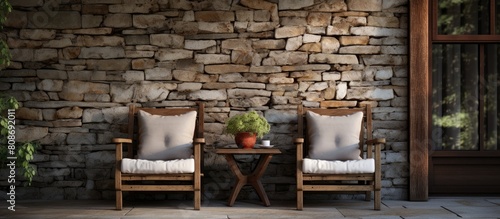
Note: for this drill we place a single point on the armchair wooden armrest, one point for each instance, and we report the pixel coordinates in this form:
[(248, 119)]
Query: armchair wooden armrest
[(122, 140), (376, 141), (199, 141), (299, 140)]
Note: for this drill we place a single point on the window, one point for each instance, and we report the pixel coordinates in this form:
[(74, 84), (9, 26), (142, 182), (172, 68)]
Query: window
[(465, 75)]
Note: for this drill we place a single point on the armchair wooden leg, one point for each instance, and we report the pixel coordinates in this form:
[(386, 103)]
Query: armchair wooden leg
[(197, 200), (119, 200), (377, 200), (368, 196), (300, 200)]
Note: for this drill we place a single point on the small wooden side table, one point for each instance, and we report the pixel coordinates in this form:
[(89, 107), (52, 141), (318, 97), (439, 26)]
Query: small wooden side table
[(253, 178)]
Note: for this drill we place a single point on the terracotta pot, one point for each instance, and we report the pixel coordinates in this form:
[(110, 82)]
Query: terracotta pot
[(246, 140)]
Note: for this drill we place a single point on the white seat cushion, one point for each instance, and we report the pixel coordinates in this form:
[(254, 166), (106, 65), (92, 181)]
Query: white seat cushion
[(338, 167), (157, 166)]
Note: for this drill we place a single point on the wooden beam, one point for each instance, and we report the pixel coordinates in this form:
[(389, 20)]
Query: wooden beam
[(420, 95)]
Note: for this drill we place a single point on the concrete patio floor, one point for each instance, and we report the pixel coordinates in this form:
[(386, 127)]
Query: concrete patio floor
[(436, 207)]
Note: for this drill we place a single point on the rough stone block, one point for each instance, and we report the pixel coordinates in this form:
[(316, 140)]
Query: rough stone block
[(189, 87), (222, 69), (311, 47), (37, 34), (198, 44), (95, 9), (184, 75), (294, 4), (269, 44), (244, 16), (50, 85), (91, 41), (61, 20), (69, 113), (115, 115), (247, 93), (215, 27), (16, 19), (149, 21), (293, 43), (265, 69), (162, 74), (214, 16), (354, 40), (289, 31), (173, 54), (109, 65), (212, 58), (75, 90), (319, 19), (333, 59), (360, 50), (29, 114), (21, 55), (97, 98), (59, 43), (310, 38), (208, 95), (167, 40), (329, 6), (288, 58), (45, 55), (99, 159), (364, 5), (101, 52), (141, 64), (237, 44), (118, 20), (26, 134), (378, 31), (132, 8), (338, 29), (383, 21), (394, 50), (90, 21), (384, 60), (51, 74), (369, 93), (262, 15), (261, 26)]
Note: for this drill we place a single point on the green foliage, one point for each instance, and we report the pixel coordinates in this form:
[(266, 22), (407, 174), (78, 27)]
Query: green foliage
[(247, 122), (24, 150), (5, 56)]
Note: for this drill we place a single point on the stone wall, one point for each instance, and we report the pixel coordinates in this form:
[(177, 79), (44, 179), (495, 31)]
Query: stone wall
[(77, 64)]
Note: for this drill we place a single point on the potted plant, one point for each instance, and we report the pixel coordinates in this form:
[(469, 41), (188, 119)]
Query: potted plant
[(246, 128)]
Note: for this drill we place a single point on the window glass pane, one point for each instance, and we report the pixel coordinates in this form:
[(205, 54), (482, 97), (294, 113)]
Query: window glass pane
[(492, 97), (463, 17), (455, 97), (497, 11)]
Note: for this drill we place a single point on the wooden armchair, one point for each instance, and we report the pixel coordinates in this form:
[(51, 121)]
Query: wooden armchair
[(341, 167), (164, 147)]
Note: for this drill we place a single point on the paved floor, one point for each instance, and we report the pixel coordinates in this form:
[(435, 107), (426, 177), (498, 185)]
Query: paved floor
[(438, 207)]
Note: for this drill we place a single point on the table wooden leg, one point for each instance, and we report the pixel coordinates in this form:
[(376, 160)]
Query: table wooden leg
[(255, 177), (241, 179)]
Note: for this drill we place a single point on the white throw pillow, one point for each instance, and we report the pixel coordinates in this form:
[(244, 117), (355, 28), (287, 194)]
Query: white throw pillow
[(334, 137), (166, 137)]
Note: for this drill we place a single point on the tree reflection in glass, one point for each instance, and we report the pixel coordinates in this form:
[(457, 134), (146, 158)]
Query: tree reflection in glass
[(463, 17), (455, 96)]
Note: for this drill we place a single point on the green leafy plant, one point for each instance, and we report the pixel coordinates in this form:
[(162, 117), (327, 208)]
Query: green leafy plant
[(24, 151), (5, 8), (247, 122)]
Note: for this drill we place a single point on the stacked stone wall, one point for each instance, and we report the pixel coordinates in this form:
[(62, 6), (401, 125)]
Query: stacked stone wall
[(77, 65)]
